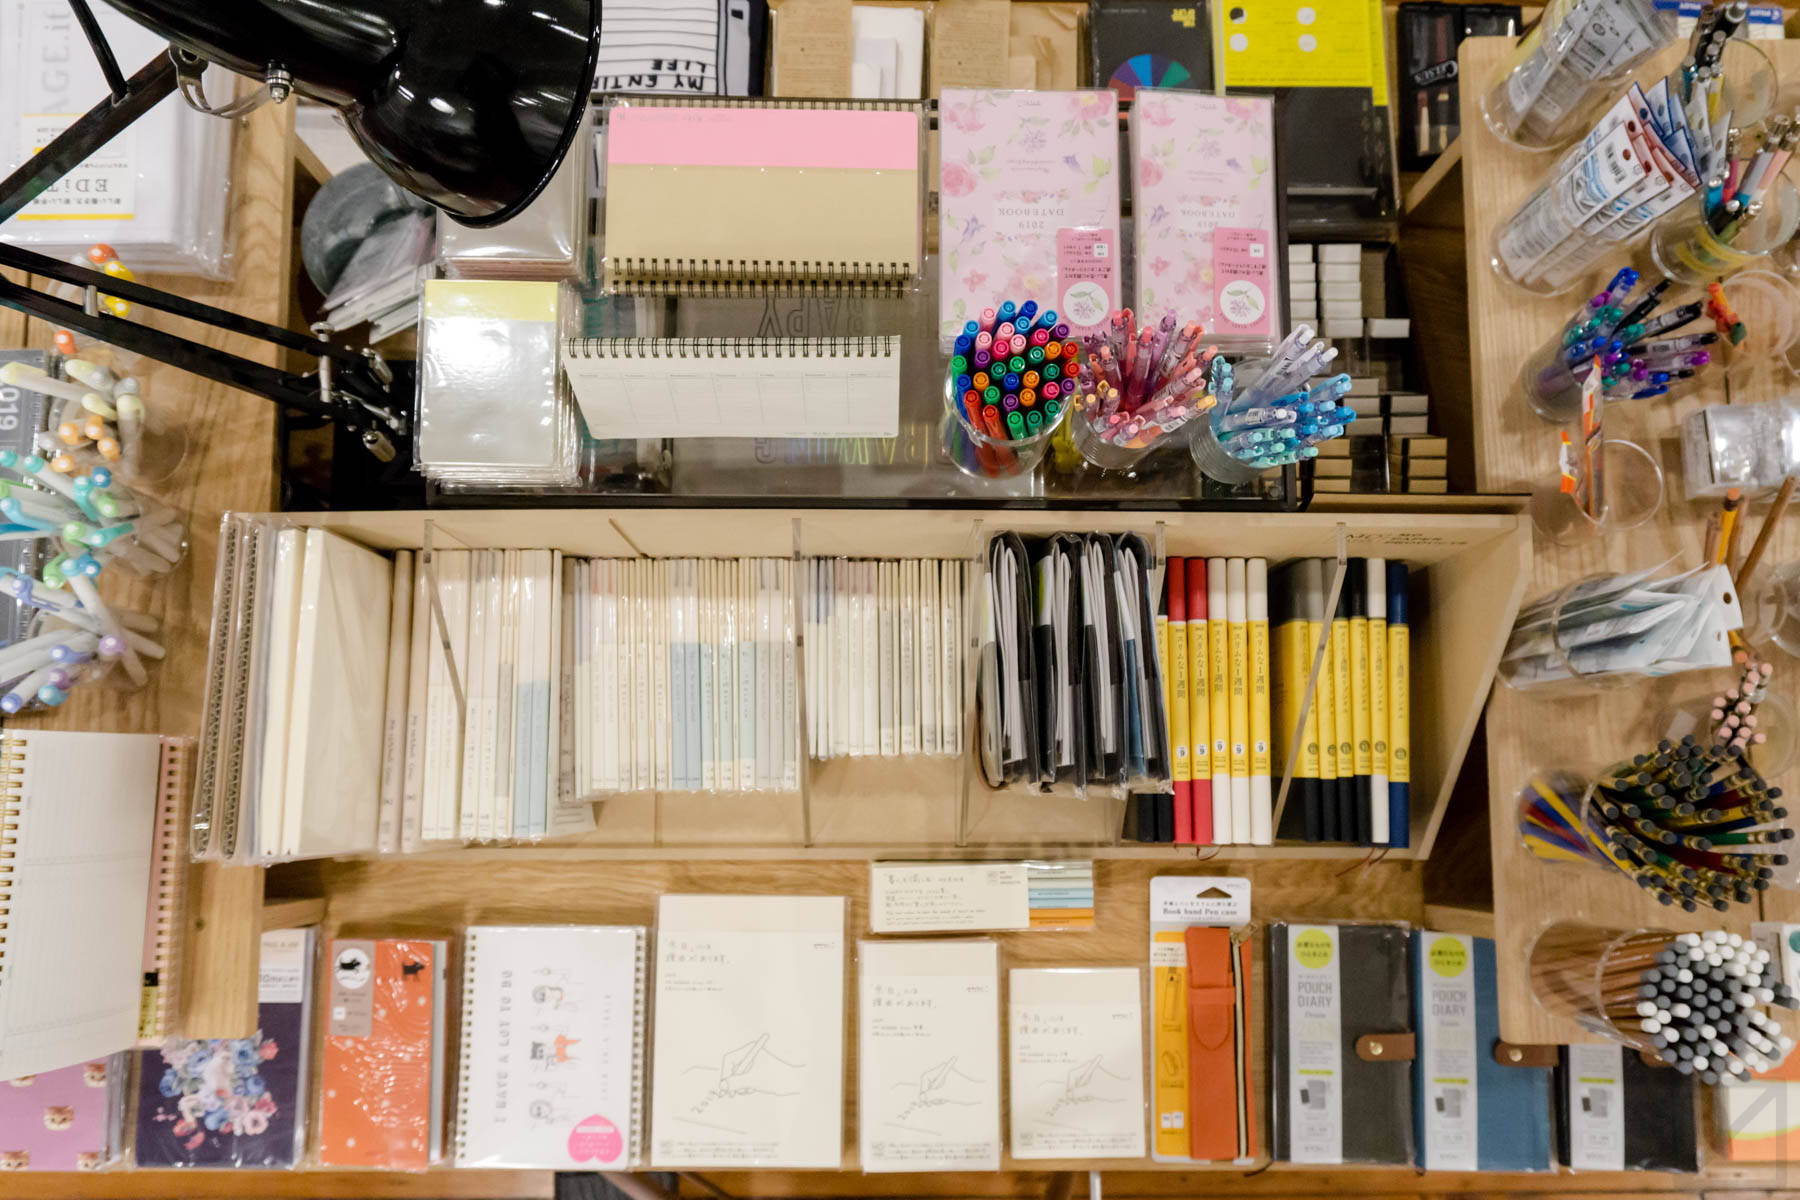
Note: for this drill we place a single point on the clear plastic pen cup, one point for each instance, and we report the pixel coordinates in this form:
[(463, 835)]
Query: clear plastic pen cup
[(1687, 249), (1632, 492), (1553, 813), (988, 452), (1549, 383), (1113, 451), (1547, 653), (1552, 91), (1591, 975), (1215, 463)]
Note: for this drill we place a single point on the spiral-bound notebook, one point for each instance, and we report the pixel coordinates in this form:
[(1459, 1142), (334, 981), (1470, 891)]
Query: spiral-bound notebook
[(80, 809), (736, 387), (762, 196), (168, 887), (552, 1047)]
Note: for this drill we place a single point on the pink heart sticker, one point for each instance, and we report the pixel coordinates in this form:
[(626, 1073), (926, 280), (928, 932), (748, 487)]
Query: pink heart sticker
[(596, 1138)]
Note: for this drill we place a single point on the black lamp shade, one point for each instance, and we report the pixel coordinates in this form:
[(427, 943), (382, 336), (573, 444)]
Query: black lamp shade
[(470, 104)]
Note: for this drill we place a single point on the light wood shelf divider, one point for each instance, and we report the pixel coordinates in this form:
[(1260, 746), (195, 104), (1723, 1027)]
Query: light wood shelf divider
[(1515, 451)]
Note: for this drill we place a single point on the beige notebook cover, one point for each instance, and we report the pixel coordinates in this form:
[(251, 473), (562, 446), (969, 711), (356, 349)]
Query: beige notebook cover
[(333, 792), (81, 811), (748, 197)]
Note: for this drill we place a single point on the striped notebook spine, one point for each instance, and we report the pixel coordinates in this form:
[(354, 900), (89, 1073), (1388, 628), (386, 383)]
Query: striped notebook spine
[(168, 892)]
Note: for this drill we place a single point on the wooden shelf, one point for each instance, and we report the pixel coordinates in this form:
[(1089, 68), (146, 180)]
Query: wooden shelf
[(1436, 197), (1515, 451)]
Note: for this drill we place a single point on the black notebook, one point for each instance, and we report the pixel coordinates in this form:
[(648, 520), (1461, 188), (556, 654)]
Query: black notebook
[(1149, 43), (1615, 1112), (1330, 1102)]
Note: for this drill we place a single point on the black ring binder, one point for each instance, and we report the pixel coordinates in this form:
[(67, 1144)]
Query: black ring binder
[(876, 346)]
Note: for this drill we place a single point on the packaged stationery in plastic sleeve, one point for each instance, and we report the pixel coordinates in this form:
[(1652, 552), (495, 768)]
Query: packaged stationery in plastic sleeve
[(158, 193), (980, 897), (1069, 683), (1341, 1044), (547, 241), (1077, 1062), (70, 1119), (1202, 1027), (493, 407)]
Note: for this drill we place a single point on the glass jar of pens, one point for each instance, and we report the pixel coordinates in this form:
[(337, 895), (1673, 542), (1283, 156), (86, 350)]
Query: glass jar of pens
[(1278, 414), (1009, 387), (1138, 387), (1697, 1002), (1563, 68), (1707, 238), (1642, 353)]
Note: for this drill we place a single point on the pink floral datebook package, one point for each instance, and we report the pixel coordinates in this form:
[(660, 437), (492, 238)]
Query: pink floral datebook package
[(1018, 169), (1204, 209)]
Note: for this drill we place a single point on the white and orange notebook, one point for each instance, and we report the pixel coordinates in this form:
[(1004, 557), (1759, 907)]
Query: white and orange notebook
[(552, 1046), (81, 811), (168, 889), (713, 197)]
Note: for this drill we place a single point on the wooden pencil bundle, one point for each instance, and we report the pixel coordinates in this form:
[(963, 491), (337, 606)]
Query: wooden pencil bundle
[(1693, 824), (1694, 1000)]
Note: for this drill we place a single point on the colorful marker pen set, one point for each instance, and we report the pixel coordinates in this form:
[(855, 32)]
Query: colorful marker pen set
[(77, 639), (1138, 385), (1640, 351), (1282, 416), (98, 420), (1013, 371)]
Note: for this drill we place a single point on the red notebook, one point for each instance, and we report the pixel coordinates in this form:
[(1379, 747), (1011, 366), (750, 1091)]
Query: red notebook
[(1200, 790)]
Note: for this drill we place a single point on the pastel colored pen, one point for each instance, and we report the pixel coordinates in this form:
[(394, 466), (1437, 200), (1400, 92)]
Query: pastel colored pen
[(988, 318), (1005, 312)]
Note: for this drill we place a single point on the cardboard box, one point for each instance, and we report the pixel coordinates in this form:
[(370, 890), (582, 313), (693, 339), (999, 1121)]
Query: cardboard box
[(1051, 32)]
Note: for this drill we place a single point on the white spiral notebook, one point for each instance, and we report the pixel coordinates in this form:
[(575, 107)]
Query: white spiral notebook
[(552, 1047), (736, 387), (80, 812)]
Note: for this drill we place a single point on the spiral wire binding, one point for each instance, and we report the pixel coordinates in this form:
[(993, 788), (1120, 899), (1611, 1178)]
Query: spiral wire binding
[(461, 1138), (218, 650), (12, 785), (879, 346), (170, 868), (240, 687), (639, 1020), (732, 277), (611, 100)]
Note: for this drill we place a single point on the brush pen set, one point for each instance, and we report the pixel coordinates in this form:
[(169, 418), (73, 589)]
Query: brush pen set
[(1138, 387), (1276, 418), (1692, 823), (1011, 382), (1697, 1002), (1642, 353)]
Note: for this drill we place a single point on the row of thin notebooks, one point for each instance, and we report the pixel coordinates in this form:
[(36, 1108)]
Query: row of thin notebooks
[(747, 1059)]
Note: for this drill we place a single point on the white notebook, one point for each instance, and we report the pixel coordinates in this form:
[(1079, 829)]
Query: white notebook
[(749, 1057), (1077, 1062), (333, 769), (552, 1047), (82, 809), (736, 387), (930, 1063)]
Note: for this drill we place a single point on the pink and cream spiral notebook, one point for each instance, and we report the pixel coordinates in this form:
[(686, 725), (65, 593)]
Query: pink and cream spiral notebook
[(711, 197), (168, 892)]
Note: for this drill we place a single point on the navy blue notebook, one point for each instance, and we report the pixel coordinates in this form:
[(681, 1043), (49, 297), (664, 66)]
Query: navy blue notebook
[(1472, 1113)]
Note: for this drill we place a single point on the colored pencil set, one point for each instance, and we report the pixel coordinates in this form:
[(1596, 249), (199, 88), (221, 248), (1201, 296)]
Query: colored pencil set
[(1282, 416), (1694, 1001), (1621, 330), (1139, 385), (1239, 692), (1013, 371), (1692, 824)]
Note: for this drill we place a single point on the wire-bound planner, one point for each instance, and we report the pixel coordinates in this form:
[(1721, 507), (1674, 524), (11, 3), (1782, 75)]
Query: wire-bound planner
[(736, 387), (709, 197), (168, 885)]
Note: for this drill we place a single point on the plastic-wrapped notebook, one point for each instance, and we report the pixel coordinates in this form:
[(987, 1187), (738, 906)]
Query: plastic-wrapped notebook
[(716, 198), (69, 1119), (568, 1000), (80, 809), (1615, 1112), (235, 1102), (168, 888), (1336, 992), (1473, 1111)]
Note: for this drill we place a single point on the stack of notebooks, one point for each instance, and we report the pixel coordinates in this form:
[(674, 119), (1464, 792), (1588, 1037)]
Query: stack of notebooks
[(69, 1119), (1069, 686), (1327, 287), (547, 241), (1417, 464), (381, 1076), (884, 663), (384, 278), (290, 761), (155, 195), (83, 812), (236, 1102), (685, 675)]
